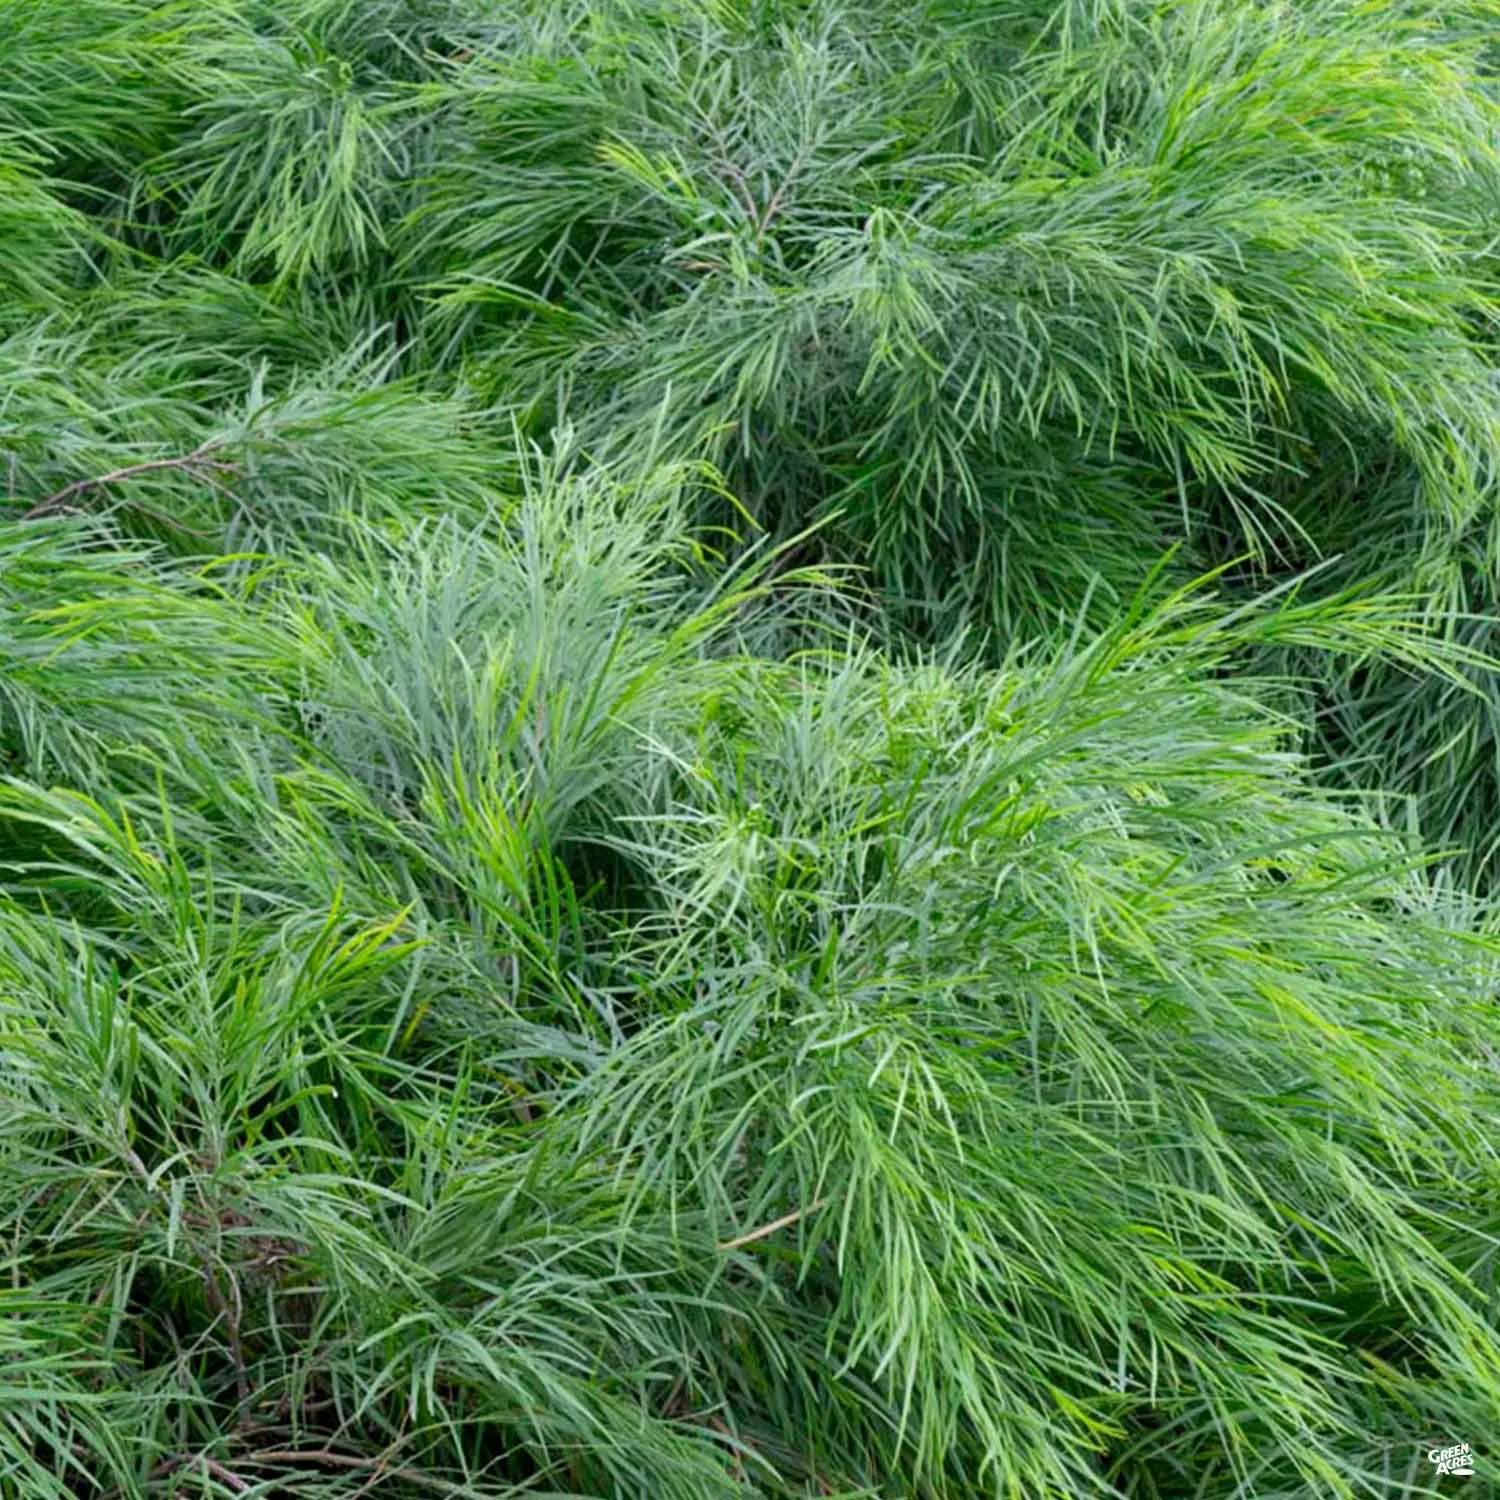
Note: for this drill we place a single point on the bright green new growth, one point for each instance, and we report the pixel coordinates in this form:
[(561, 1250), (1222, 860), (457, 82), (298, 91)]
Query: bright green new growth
[(522, 972)]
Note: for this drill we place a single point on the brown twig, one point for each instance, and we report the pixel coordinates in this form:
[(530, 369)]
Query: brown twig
[(774, 206), (746, 197), (285, 1457), (377, 1474), (222, 1308), (211, 1466), (199, 462), (736, 1468), (225, 1476), (766, 1229), (328, 1459)]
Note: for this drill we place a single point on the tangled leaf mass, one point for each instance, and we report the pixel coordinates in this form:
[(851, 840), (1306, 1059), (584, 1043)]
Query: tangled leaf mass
[(748, 748)]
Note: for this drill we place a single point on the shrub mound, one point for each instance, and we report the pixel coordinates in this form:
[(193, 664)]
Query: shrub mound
[(747, 748)]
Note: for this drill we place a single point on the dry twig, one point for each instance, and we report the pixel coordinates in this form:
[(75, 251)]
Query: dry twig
[(200, 462), (767, 1229)]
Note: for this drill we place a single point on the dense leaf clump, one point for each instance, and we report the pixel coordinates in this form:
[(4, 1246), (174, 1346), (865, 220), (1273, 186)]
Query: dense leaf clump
[(747, 748)]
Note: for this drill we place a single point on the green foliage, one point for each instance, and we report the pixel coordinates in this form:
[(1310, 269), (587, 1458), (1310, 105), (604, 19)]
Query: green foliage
[(475, 952), (732, 735), (1134, 277)]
